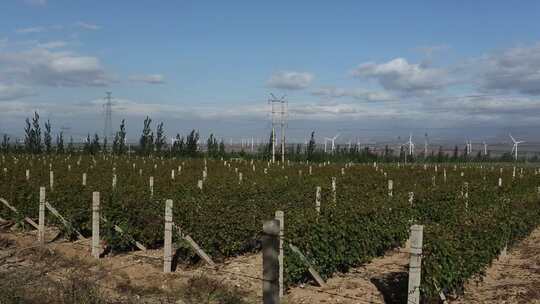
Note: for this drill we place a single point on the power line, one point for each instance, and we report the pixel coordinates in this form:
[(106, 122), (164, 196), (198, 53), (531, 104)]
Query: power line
[(279, 116), (107, 129)]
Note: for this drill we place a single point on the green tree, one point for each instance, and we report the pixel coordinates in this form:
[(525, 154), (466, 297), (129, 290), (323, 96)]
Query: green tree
[(147, 137), (71, 145), (192, 143), (95, 146), (455, 156), (212, 146), (32, 139), (119, 141), (160, 138), (310, 151), (60, 143), (178, 145), (47, 137), (104, 148), (37, 133), (5, 144), (222, 148)]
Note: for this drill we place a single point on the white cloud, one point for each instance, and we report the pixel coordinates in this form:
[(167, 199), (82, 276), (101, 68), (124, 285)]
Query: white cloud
[(400, 76), (88, 26), (39, 66), (290, 80), (52, 44), (358, 94), (12, 92), (34, 29), (38, 29), (487, 105), (149, 79), (514, 70)]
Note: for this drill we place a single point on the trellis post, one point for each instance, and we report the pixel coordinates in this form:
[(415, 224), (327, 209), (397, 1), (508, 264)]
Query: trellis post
[(270, 247), (96, 248), (280, 216), (334, 190), (415, 264), (51, 180), (41, 224), (167, 248), (318, 200)]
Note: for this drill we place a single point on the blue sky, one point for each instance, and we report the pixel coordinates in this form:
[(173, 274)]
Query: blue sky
[(368, 70)]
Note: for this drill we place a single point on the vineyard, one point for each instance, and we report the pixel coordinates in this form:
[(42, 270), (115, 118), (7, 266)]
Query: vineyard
[(339, 216)]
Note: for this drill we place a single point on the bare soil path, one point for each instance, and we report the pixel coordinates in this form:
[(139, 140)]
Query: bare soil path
[(137, 277)]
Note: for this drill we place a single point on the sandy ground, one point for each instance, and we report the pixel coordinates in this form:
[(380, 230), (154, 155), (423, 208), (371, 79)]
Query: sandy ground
[(512, 279)]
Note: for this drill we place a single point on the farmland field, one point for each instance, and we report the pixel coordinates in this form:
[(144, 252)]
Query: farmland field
[(468, 217)]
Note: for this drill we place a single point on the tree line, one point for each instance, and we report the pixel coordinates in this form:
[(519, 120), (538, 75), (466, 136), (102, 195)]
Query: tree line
[(154, 142)]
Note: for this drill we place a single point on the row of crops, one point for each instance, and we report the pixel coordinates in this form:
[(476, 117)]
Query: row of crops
[(468, 217)]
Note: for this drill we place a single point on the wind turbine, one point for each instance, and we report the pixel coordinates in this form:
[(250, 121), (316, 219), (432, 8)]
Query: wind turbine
[(333, 139), (425, 145), (411, 145), (468, 147), (485, 148), (515, 146)]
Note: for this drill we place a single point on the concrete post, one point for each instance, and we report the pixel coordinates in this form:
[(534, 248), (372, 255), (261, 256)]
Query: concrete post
[(167, 247), (96, 248), (51, 180), (318, 200), (411, 198), (280, 216), (444, 175), (415, 264), (270, 247), (41, 224), (334, 195)]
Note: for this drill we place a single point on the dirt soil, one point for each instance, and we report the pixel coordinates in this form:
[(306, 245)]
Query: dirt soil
[(514, 278), (138, 277)]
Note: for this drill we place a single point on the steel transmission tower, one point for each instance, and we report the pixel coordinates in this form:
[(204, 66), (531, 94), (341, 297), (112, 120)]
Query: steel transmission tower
[(279, 117), (107, 130)]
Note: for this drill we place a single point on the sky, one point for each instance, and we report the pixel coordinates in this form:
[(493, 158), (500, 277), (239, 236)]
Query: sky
[(369, 71)]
